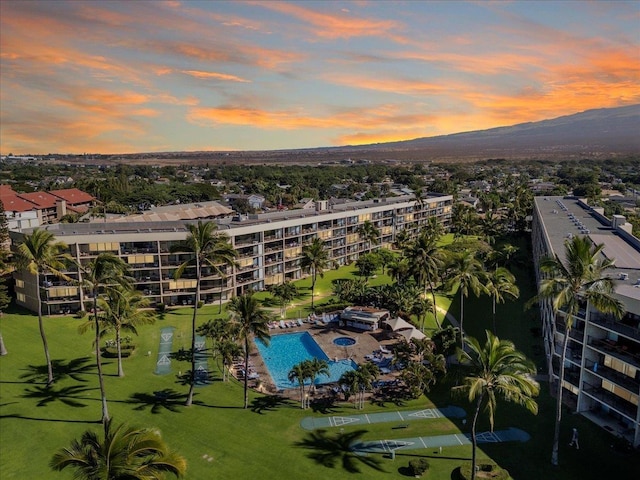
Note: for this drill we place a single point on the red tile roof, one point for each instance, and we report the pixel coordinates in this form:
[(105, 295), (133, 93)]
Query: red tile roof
[(13, 203), (41, 199), (73, 196)]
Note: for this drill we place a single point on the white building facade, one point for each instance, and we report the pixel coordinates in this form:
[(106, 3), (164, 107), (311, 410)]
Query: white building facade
[(269, 247), (602, 367)]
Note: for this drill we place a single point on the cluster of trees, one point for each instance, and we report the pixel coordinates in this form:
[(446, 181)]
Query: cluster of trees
[(420, 268)]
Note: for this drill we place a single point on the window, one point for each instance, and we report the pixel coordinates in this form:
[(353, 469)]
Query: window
[(21, 297), (20, 283), (104, 247)]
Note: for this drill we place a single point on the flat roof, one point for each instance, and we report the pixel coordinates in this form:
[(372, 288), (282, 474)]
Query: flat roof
[(565, 217)]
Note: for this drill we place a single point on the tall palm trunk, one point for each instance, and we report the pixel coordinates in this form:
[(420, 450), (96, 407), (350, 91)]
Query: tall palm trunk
[(435, 307), (313, 288), (474, 441), (192, 376), (246, 372), (103, 393), (461, 320), (495, 331), (119, 350), (43, 336), (556, 430), (221, 290)]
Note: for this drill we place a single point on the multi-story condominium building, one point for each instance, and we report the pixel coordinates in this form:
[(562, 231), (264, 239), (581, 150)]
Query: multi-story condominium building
[(269, 247), (602, 368)]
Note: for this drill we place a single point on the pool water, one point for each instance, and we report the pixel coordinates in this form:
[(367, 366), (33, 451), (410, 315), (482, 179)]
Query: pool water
[(344, 341), (285, 351)]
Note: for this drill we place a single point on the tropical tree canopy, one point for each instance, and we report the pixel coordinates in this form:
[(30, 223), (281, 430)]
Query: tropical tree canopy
[(495, 370), (125, 453)]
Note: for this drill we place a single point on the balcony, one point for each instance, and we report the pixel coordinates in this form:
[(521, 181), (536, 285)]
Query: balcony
[(616, 350), (625, 381), (613, 401), (626, 326)]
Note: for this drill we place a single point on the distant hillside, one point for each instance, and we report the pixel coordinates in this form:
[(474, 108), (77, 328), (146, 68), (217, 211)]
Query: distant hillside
[(593, 133), (596, 134)]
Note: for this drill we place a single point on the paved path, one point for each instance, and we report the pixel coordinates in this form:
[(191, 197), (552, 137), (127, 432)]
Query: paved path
[(311, 423), (414, 443)]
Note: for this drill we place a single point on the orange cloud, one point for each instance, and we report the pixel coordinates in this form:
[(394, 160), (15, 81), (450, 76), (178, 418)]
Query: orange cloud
[(215, 75), (353, 119), (334, 26)]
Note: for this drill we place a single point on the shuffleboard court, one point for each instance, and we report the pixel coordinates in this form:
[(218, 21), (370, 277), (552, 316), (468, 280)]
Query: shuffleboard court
[(415, 443), (312, 423), (163, 363), (202, 368)]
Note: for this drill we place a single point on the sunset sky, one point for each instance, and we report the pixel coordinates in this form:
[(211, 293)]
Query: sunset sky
[(145, 76)]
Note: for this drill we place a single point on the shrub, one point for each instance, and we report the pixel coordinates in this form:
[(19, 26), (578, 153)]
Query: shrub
[(484, 470), (418, 467), (81, 313), (200, 303), (161, 307)]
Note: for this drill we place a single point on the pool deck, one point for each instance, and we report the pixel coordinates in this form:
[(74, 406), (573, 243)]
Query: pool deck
[(366, 343)]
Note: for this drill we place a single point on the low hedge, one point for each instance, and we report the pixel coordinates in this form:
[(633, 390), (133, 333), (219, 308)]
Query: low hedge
[(484, 471)]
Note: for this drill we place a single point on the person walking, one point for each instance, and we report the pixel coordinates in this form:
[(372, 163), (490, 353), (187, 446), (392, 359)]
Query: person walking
[(574, 439)]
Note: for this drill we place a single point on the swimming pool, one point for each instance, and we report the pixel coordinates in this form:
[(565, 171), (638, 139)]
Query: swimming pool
[(285, 351)]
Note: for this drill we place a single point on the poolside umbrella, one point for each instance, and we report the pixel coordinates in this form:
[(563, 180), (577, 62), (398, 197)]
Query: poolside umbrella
[(397, 324), (410, 333)]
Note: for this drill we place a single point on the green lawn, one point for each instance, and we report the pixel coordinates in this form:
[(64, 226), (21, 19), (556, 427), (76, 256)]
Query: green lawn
[(221, 440)]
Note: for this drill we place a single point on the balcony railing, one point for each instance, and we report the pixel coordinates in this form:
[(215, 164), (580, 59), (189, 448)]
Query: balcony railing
[(616, 326)]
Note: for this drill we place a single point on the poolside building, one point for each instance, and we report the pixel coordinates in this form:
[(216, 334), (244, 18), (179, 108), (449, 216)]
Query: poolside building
[(364, 318), (602, 368), (269, 247)]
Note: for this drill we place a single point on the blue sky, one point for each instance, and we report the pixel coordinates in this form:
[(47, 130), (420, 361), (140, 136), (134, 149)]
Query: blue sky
[(123, 76)]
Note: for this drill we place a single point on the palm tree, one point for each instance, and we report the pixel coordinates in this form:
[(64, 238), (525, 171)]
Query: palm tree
[(418, 378), (300, 373), (426, 259), (208, 249), (315, 259), (402, 239), (467, 272), (37, 254), (317, 367), (106, 271), (566, 284), (369, 233), (496, 371), (252, 321), (285, 293), (125, 453), (228, 351), (366, 374), (121, 310), (501, 283)]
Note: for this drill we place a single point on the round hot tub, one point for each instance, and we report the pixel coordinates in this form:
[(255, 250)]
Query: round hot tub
[(344, 341)]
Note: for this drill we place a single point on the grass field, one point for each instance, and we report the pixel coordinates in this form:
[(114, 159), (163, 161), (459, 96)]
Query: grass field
[(221, 440)]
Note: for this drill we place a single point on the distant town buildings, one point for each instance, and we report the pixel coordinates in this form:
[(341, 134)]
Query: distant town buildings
[(26, 210)]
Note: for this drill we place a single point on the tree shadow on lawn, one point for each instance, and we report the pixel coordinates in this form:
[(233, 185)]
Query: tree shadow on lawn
[(269, 403), (62, 369), (17, 416), (158, 401), (69, 396), (337, 448)]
